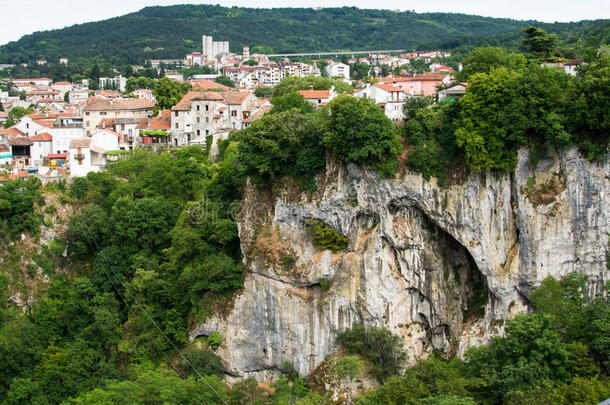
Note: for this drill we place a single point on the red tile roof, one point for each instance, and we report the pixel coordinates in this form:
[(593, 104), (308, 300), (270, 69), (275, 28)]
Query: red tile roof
[(235, 97), (58, 156), (45, 123), (105, 122), (205, 84), (186, 101), (387, 87), (45, 136), (10, 131), (162, 121), (19, 141), (80, 143), (97, 104), (315, 94)]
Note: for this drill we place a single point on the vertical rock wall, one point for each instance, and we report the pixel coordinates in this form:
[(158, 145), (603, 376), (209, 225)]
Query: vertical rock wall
[(441, 267)]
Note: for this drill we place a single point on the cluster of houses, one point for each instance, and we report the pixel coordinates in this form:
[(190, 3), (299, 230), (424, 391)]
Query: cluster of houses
[(75, 131), (73, 139), (79, 132)]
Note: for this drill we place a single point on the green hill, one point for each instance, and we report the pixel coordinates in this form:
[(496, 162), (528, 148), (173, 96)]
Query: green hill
[(170, 32)]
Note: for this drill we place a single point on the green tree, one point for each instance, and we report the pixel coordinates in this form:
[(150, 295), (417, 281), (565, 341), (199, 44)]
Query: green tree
[(378, 345), (155, 387), (15, 114), (483, 60), (530, 352), (225, 80), (413, 105), (17, 198), (358, 131), (563, 301), (287, 142), (168, 92), (290, 101), (538, 42), (292, 84)]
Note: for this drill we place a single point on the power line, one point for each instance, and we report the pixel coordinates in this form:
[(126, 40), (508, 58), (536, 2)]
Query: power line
[(135, 300)]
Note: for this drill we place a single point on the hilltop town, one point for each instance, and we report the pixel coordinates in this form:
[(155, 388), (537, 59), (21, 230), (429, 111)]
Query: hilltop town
[(58, 128)]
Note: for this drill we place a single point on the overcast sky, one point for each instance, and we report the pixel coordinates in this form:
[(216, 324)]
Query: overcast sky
[(20, 17)]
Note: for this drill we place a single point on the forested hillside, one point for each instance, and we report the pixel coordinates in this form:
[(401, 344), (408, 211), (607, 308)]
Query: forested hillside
[(170, 32)]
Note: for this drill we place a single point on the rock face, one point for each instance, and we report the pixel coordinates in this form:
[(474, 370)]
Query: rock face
[(441, 267)]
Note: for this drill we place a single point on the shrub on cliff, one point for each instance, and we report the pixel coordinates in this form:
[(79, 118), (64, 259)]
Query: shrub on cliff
[(379, 346), (324, 237), (358, 131)]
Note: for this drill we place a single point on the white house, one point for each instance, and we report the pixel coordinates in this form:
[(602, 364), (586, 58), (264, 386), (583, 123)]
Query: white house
[(105, 139), (77, 96), (203, 113), (117, 83), (388, 97), (42, 146), (62, 87), (318, 97), (28, 126), (88, 155), (62, 135), (80, 157), (98, 109), (338, 69)]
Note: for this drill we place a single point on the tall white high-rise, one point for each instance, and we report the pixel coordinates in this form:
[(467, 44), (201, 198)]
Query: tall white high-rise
[(211, 49)]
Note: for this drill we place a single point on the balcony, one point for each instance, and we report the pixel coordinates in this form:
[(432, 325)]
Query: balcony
[(79, 156)]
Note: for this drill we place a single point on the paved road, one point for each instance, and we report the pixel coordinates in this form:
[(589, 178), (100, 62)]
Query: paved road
[(337, 53)]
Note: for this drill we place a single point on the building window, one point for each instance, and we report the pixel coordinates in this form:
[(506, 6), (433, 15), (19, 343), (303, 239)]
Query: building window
[(207, 119), (198, 120), (207, 132), (198, 132), (175, 113), (176, 125), (197, 107), (207, 107)]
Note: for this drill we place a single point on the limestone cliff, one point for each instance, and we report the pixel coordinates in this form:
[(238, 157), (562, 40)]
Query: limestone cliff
[(443, 267)]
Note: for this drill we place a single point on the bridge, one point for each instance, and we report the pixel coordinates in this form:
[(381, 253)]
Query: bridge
[(288, 55)]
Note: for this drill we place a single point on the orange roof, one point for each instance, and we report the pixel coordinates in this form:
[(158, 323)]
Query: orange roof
[(45, 136), (63, 83), (311, 94), (10, 131), (97, 104), (387, 87), (105, 122), (186, 101), (235, 97), (162, 121), (205, 84), (45, 123)]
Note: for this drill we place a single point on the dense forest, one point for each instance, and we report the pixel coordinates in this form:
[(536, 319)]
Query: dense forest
[(171, 32)]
